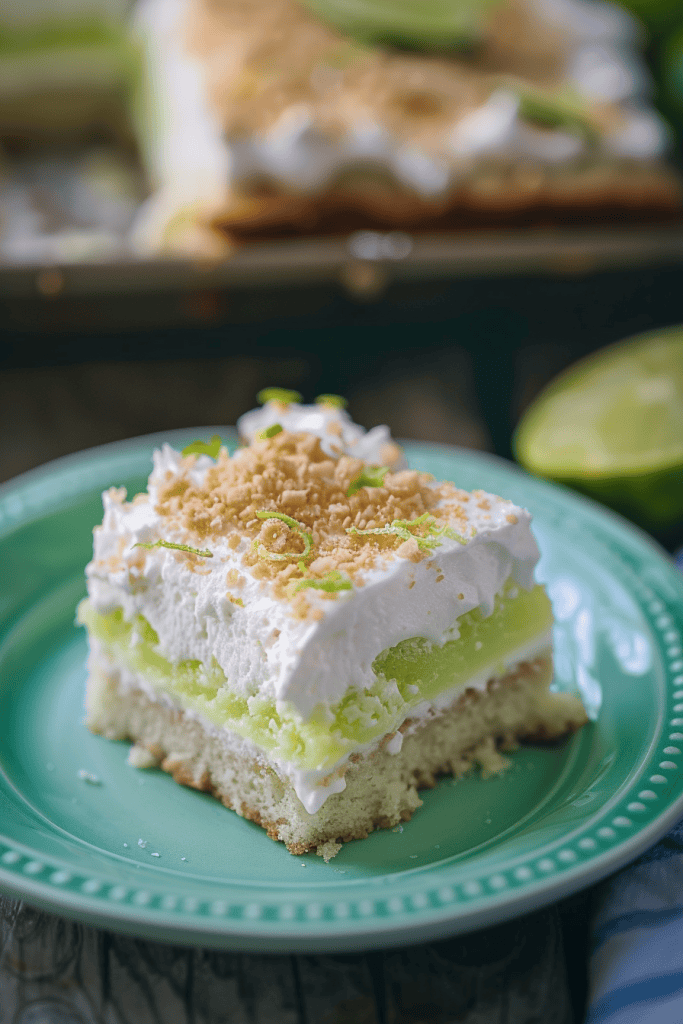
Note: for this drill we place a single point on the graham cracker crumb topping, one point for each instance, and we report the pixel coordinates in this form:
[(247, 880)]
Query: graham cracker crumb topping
[(284, 503)]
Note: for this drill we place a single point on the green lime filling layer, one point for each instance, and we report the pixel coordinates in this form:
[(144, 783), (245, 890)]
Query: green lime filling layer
[(412, 671), (429, 24)]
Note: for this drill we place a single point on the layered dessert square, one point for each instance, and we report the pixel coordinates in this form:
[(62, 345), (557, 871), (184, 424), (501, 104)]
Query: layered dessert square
[(296, 117), (312, 632)]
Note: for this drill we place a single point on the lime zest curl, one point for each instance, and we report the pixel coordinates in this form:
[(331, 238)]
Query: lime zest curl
[(271, 431), (448, 531), (281, 395), (336, 401), (369, 476), (293, 525), (332, 583), (175, 547), (211, 447), (401, 528)]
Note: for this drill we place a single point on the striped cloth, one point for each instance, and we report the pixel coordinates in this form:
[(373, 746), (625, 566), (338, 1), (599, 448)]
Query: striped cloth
[(636, 960)]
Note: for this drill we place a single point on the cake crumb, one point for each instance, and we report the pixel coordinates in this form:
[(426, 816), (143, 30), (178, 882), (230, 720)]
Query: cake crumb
[(142, 843), (511, 518), (328, 850), (92, 780), (156, 855), (141, 757)]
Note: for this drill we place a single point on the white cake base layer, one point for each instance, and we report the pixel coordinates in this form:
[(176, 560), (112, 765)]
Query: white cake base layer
[(381, 787)]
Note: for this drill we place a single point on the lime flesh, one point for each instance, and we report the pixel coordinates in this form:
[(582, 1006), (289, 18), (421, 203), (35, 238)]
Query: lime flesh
[(612, 426)]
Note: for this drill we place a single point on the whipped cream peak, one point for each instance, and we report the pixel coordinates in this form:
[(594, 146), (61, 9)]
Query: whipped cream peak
[(337, 432), (169, 463)]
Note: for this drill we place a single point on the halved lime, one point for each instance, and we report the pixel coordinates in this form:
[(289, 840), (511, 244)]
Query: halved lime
[(612, 426)]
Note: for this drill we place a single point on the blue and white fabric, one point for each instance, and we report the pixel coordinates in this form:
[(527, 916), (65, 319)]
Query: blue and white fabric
[(636, 959)]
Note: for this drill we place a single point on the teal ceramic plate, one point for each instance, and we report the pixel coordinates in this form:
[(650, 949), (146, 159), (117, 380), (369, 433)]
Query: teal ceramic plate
[(140, 854)]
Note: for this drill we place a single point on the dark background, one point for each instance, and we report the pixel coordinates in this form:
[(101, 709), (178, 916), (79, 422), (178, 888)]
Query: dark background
[(452, 360)]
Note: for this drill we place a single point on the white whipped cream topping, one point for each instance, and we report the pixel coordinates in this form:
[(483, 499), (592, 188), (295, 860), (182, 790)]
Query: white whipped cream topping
[(307, 663), (195, 164), (338, 434), (591, 19), (641, 133), (496, 127)]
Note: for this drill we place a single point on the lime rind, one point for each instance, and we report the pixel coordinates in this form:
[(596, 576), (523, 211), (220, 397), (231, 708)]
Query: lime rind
[(272, 431), (369, 476), (283, 396), (205, 553), (293, 524), (210, 448)]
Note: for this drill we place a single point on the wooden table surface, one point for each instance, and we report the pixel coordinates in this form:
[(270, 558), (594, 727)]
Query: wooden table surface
[(56, 971)]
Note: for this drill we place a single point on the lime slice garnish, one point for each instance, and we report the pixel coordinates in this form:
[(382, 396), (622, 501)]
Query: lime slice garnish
[(612, 425), (428, 24)]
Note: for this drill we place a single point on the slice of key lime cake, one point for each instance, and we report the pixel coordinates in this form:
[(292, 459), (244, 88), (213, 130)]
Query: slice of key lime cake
[(312, 636)]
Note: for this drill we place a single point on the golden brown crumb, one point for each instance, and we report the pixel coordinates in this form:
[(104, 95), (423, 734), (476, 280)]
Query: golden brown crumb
[(234, 578), (290, 475)]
